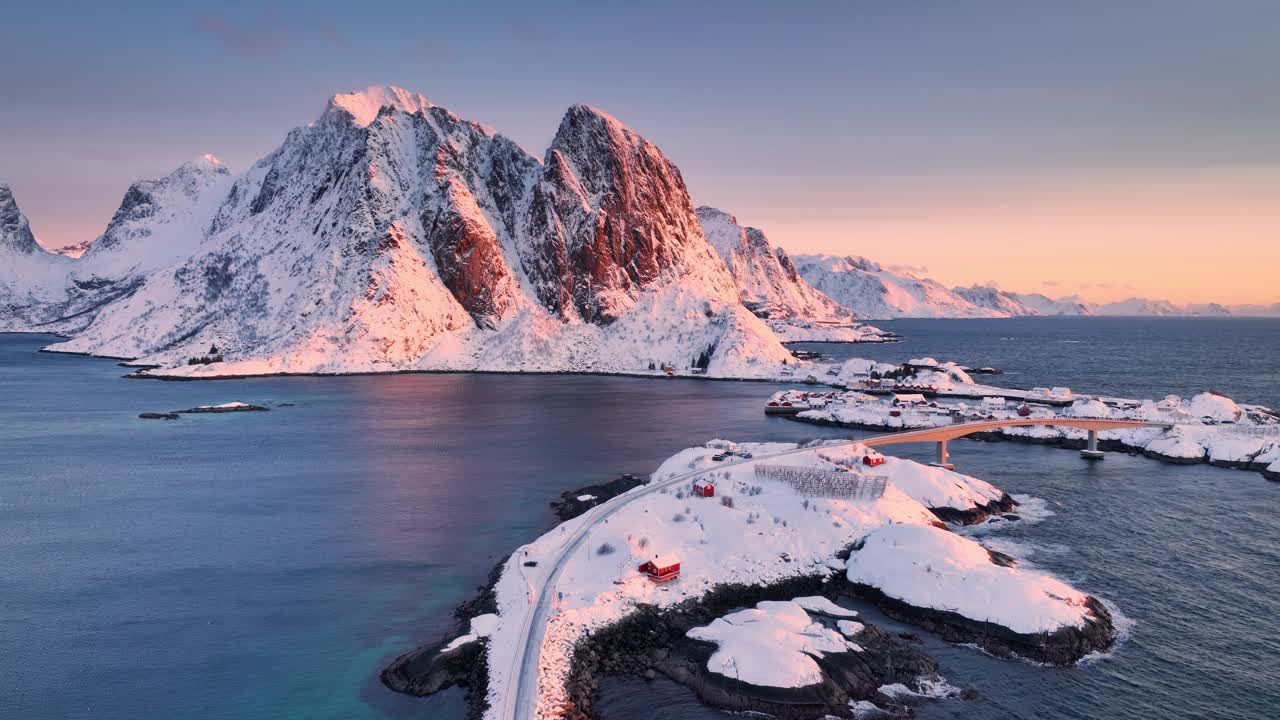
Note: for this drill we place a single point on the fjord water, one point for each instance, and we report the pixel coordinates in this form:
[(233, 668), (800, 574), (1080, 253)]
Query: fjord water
[(269, 564)]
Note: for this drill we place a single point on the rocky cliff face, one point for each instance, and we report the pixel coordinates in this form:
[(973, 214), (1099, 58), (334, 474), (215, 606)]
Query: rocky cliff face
[(15, 231), (391, 234), (766, 278), (623, 215), (30, 277)]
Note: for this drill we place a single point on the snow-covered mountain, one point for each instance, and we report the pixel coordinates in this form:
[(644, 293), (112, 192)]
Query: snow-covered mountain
[(1039, 304), (391, 234), (769, 285), (766, 278), (30, 277), (1004, 303), (874, 292)]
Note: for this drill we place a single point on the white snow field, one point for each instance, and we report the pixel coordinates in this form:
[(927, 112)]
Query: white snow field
[(929, 567)]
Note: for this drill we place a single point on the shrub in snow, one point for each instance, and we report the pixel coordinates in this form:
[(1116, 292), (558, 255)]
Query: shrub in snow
[(644, 543), (726, 501), (678, 517), (679, 494), (605, 549)]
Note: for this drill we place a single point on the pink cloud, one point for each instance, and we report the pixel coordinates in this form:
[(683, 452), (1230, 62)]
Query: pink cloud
[(254, 44)]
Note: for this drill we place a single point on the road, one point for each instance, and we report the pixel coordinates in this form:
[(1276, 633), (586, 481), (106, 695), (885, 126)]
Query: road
[(521, 704)]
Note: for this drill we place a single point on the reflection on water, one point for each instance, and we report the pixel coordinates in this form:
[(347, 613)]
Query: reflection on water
[(269, 564)]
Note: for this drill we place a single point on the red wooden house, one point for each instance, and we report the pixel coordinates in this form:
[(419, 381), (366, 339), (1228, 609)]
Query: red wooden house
[(704, 488), (662, 569), (872, 458)]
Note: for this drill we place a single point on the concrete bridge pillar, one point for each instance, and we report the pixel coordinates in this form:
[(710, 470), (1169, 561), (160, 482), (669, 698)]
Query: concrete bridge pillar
[(944, 457), (1092, 452)]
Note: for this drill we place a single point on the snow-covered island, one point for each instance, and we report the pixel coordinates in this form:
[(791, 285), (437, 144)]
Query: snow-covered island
[(924, 393), (760, 540)]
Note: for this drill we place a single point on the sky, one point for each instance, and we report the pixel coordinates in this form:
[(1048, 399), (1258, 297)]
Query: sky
[(1100, 148)]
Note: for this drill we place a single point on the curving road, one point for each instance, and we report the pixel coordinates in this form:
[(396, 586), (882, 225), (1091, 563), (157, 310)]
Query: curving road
[(521, 704)]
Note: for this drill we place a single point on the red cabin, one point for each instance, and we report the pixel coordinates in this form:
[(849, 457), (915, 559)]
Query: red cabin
[(704, 488), (872, 458), (662, 569)]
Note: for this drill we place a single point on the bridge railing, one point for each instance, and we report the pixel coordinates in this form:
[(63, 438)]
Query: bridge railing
[(820, 482)]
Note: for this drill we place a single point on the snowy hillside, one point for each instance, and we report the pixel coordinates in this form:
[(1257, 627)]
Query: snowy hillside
[(1007, 304), (390, 234), (874, 292), (1044, 305), (769, 285), (766, 278)]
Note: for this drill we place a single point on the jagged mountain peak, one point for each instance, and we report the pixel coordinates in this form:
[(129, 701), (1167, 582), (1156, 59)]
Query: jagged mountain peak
[(364, 105), (706, 213), (164, 218), (205, 163), (15, 231), (766, 279)]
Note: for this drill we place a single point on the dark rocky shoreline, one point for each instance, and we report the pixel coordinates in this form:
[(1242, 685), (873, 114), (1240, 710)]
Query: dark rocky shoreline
[(976, 514), (1065, 646), (652, 640), (569, 506)]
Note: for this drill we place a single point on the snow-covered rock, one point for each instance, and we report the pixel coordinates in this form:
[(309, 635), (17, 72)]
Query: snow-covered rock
[(1215, 407), (1088, 408), (482, 626), (773, 644), (927, 567)]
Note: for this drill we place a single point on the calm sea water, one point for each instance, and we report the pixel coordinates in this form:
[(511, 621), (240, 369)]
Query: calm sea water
[(1132, 357), (269, 564)]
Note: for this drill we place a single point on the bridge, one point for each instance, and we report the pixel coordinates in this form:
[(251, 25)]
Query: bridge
[(944, 433), (520, 702)]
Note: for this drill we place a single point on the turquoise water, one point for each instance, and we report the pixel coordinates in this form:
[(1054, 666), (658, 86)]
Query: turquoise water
[(270, 564), (257, 565)]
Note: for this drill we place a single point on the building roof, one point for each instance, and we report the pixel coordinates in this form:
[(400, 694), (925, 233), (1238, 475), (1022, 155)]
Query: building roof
[(665, 561)]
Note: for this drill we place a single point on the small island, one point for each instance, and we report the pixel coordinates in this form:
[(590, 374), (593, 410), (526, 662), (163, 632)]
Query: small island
[(731, 547), (229, 407)]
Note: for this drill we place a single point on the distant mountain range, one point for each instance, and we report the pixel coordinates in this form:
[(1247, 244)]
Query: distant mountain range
[(874, 292)]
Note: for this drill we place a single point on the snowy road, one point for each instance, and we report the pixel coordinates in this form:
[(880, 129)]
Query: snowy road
[(526, 661), (521, 704)]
